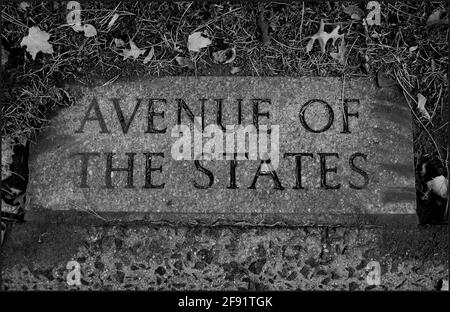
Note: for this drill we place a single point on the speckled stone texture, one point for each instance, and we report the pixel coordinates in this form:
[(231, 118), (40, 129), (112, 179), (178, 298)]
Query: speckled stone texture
[(162, 257), (382, 132)]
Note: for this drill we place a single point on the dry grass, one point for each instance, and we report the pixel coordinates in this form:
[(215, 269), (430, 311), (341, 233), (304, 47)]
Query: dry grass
[(32, 89)]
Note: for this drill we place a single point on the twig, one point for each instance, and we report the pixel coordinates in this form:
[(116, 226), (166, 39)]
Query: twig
[(301, 22), (415, 115), (216, 19), (179, 22)]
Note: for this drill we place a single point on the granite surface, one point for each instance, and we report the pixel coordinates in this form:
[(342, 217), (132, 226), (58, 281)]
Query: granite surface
[(382, 132)]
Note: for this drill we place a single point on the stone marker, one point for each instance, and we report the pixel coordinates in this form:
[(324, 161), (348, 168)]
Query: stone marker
[(344, 152)]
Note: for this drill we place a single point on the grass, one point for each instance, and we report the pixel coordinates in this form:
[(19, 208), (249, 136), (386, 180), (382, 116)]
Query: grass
[(403, 47)]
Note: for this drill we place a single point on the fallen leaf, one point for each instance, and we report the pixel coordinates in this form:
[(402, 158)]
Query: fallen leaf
[(89, 30), (421, 100), (5, 56), (233, 56), (220, 57), (24, 5), (223, 56), (113, 20), (323, 37), (439, 185), (435, 18), (185, 62), (37, 41), (119, 43), (235, 70), (444, 285), (134, 52), (354, 11), (150, 55), (412, 49), (196, 41), (375, 35), (340, 55), (7, 153)]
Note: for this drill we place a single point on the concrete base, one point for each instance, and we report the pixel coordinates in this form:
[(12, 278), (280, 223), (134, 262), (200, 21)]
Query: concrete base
[(164, 257)]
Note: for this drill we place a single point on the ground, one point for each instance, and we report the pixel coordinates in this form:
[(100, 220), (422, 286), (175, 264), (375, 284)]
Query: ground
[(403, 47), (270, 40), (164, 257)]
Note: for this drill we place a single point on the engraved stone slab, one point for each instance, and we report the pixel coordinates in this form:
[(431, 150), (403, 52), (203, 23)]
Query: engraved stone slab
[(344, 151)]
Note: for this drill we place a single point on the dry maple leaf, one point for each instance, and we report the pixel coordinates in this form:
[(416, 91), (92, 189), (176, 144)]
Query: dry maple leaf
[(323, 37), (421, 100), (439, 186), (235, 70), (220, 57), (113, 20), (37, 41), (89, 30), (24, 5), (435, 18), (119, 43), (134, 52), (196, 41), (150, 55)]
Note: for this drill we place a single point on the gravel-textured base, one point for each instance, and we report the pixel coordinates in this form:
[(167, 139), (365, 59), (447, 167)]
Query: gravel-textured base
[(152, 257)]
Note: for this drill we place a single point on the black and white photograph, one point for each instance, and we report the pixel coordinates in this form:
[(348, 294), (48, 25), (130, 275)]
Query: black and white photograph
[(243, 148)]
